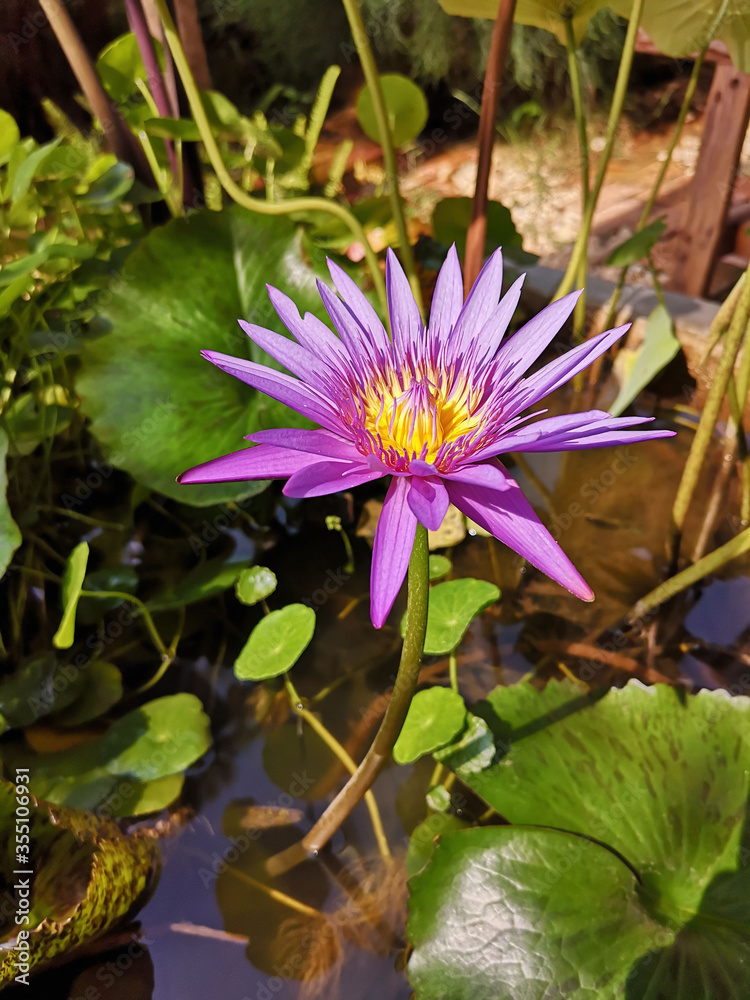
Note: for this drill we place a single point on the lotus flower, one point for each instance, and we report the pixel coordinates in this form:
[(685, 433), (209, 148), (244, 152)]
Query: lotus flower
[(430, 407)]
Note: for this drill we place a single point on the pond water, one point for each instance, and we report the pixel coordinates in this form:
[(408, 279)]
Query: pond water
[(207, 931)]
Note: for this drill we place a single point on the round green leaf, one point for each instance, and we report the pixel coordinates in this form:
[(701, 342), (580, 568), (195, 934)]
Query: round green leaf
[(451, 218), (101, 689), (255, 584), (453, 606), (75, 571), (473, 751), (157, 406), (435, 716), (659, 778), (547, 14), (439, 566), (513, 912), (406, 106), (276, 643)]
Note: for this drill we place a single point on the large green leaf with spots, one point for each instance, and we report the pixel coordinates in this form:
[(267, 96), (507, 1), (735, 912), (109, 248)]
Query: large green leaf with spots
[(87, 875), (156, 405), (626, 876)]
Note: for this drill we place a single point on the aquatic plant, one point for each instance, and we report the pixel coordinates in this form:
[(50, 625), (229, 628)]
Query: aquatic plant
[(432, 407)]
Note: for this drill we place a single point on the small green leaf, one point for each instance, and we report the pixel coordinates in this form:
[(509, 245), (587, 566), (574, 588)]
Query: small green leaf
[(28, 170), (75, 571), (439, 566), (422, 840), (10, 536), (276, 643), (147, 796), (102, 688), (255, 584), (173, 128), (434, 718), (120, 64), (659, 347), (451, 218), (638, 245), (453, 606), (405, 104), (110, 188), (472, 752), (438, 799), (207, 580), (9, 134)]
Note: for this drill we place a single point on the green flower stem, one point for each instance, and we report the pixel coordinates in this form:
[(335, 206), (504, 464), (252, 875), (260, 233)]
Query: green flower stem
[(380, 751), (710, 414), (335, 747), (693, 574), (263, 207), (579, 257), (372, 78)]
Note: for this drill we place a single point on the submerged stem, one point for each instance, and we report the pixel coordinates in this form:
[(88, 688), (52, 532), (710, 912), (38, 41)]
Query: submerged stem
[(263, 207), (372, 78), (336, 748), (380, 751)]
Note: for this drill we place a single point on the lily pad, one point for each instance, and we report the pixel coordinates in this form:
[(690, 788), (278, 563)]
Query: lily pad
[(453, 606), (39, 688), (625, 876), (156, 405), (451, 219), (434, 718), (405, 105), (101, 690), (276, 643), (439, 566), (255, 584), (87, 876), (546, 14)]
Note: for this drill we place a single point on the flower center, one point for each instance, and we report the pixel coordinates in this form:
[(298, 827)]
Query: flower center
[(418, 416)]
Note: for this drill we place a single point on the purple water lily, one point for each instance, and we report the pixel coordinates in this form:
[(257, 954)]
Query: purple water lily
[(431, 407)]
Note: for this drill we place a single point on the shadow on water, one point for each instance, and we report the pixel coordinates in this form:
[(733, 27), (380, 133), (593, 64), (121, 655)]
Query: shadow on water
[(210, 930)]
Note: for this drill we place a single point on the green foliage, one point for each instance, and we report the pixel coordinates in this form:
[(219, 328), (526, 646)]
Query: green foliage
[(453, 606), (637, 368), (450, 221), (639, 245), (626, 858), (255, 584), (435, 717), (136, 766), (156, 405), (75, 571), (405, 104), (88, 876), (10, 536), (439, 566), (276, 643)]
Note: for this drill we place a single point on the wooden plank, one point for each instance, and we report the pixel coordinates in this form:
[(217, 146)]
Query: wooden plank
[(726, 119)]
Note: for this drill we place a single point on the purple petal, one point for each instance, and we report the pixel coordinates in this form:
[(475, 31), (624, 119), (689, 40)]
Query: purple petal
[(490, 475), (320, 478), (509, 516), (394, 540), (428, 499), (347, 325), (558, 372), (313, 442), (493, 331), (480, 303), (574, 432), (288, 353), (310, 332), (260, 462), (282, 387), (406, 323), (357, 303), (447, 299), (526, 345)]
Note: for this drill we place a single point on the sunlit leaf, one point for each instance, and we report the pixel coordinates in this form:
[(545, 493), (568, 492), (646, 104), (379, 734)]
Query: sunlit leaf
[(472, 752), (405, 104), (10, 536), (637, 368), (434, 718), (439, 566), (75, 571), (276, 643), (120, 65), (87, 876), (28, 170), (638, 245), (453, 606), (9, 134), (548, 14), (255, 584)]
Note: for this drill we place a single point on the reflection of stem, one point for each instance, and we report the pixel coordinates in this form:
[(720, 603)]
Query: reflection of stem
[(403, 691), (681, 581), (477, 232), (710, 414), (372, 78), (234, 190), (580, 250), (335, 747)]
